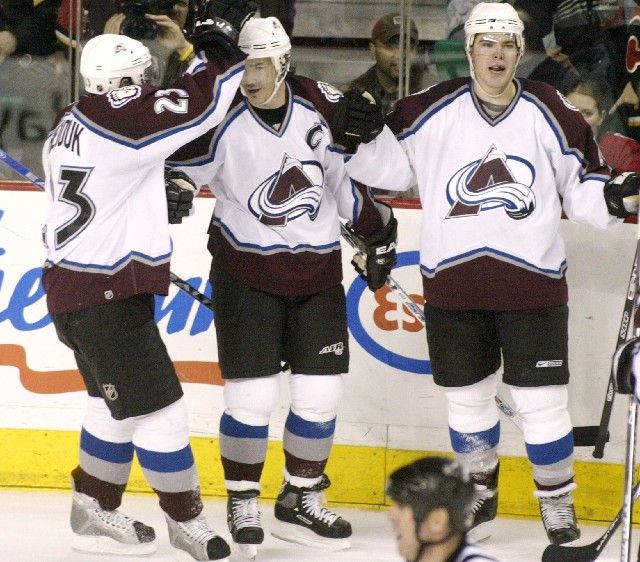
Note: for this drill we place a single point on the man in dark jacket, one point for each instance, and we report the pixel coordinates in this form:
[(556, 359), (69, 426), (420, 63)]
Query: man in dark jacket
[(28, 27)]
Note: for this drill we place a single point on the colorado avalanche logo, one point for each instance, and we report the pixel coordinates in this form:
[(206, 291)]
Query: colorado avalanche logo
[(122, 96), (294, 190), (490, 184)]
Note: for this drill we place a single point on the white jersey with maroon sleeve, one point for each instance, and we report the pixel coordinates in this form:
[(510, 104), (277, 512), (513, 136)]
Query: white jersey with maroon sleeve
[(492, 191), (107, 232), (279, 193)]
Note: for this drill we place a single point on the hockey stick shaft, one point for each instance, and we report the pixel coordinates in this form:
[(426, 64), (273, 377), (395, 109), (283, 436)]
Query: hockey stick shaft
[(191, 290), (583, 436), (632, 423), (623, 334), (588, 552), (22, 170), (627, 504)]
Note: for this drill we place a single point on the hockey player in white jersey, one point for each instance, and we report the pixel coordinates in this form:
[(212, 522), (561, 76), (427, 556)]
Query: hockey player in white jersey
[(496, 159), (108, 253), (276, 271), (433, 499)]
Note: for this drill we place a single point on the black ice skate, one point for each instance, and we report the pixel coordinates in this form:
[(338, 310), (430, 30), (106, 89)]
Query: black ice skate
[(196, 537), (558, 515), (243, 518), (304, 519), (485, 504), (100, 531)]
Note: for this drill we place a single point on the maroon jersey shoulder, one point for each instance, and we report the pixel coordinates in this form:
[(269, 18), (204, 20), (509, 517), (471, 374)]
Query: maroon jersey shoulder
[(321, 95), (62, 113), (575, 129), (408, 110)]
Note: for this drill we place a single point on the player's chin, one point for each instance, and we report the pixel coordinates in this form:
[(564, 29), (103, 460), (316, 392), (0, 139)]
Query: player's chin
[(255, 97)]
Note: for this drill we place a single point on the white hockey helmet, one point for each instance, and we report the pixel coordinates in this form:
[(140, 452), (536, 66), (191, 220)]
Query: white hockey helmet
[(266, 38), (107, 59), (493, 17)]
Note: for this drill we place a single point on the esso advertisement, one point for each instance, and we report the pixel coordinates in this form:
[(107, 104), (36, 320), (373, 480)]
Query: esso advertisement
[(383, 327)]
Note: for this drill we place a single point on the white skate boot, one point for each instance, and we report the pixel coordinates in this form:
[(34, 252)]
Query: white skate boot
[(100, 531), (196, 537)]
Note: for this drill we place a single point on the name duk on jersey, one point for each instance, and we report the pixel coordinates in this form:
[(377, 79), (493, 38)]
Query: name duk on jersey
[(67, 133)]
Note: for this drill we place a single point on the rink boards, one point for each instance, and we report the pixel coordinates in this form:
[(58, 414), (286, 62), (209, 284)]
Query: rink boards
[(391, 411)]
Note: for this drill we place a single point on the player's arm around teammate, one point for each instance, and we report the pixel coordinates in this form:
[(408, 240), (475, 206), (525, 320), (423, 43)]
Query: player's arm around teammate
[(108, 253)]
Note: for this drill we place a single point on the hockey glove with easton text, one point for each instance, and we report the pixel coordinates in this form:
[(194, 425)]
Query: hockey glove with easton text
[(220, 21), (180, 192), (379, 251), (358, 118), (621, 194)]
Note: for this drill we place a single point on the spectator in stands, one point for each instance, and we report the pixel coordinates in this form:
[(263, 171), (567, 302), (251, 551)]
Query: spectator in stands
[(170, 49), (457, 13), (28, 27), (536, 64), (587, 96), (593, 35), (284, 10), (622, 153), (382, 78)]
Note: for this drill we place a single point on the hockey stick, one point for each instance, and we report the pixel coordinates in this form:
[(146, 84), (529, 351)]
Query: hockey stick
[(632, 422), (191, 291), (625, 327), (587, 552), (22, 170), (582, 436)]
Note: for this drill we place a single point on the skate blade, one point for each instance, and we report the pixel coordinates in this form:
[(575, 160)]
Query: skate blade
[(184, 556), (481, 532), (291, 532), (98, 544), (248, 551)]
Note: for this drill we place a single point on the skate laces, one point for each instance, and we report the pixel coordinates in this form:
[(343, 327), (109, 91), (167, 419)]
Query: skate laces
[(114, 518), (245, 512), (197, 529), (312, 502), (557, 511), (480, 495)]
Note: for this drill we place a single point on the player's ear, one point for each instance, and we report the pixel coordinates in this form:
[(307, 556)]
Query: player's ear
[(435, 527)]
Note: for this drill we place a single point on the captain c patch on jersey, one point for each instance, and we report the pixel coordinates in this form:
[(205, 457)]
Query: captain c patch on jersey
[(291, 192), (496, 181)]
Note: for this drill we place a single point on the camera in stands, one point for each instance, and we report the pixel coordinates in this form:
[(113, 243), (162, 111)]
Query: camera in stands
[(135, 25)]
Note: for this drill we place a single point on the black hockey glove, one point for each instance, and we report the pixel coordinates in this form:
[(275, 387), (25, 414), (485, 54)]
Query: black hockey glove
[(180, 192), (621, 194), (358, 118), (624, 360), (220, 21), (379, 249)]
